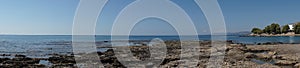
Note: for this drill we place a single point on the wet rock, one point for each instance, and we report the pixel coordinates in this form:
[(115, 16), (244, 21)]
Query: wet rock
[(272, 43), (61, 59), (20, 56), (5, 54), (3, 59), (229, 41), (62, 66), (38, 66)]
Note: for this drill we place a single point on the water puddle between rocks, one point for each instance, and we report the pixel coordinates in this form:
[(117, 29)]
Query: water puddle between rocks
[(46, 63), (261, 61)]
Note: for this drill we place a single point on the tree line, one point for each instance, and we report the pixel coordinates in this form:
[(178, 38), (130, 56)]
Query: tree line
[(275, 28)]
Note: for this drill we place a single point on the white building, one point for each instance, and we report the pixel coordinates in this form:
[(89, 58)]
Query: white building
[(291, 26)]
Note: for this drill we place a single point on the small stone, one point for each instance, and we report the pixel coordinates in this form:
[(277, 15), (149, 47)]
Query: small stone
[(272, 53), (297, 65)]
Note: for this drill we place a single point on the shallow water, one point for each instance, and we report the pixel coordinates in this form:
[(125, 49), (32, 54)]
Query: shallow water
[(259, 61)]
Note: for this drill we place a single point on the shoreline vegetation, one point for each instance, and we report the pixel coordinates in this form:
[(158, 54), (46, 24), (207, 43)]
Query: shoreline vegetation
[(271, 35), (275, 29)]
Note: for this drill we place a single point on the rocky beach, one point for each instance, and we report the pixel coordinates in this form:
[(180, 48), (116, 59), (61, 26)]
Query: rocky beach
[(236, 56)]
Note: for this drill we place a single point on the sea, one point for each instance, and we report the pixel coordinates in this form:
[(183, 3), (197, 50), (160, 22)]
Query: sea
[(45, 45)]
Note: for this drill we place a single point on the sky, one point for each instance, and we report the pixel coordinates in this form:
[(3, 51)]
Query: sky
[(55, 17)]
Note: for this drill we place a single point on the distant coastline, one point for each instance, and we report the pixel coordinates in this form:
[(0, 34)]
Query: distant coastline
[(275, 29), (270, 35)]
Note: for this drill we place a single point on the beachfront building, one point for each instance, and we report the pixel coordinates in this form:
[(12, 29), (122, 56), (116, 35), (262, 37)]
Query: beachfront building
[(291, 26)]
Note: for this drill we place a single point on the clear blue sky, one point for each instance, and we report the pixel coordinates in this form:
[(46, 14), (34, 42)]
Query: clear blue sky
[(56, 16)]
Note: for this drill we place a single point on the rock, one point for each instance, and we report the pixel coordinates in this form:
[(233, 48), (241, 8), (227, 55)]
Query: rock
[(235, 55), (263, 56), (229, 41), (20, 56), (171, 64), (285, 62), (256, 49), (272, 43), (62, 59), (213, 50), (5, 54), (250, 55), (266, 65), (3, 59), (297, 65), (272, 53), (38, 66), (275, 57), (290, 57), (217, 54), (234, 52)]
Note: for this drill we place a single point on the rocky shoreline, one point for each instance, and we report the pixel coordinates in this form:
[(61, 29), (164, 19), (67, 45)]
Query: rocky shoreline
[(236, 56)]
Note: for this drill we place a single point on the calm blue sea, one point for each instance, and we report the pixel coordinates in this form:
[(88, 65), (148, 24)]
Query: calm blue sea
[(43, 45)]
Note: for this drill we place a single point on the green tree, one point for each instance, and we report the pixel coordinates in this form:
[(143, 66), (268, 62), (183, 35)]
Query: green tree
[(275, 28), (297, 28), (272, 29), (257, 31), (285, 29), (267, 30)]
